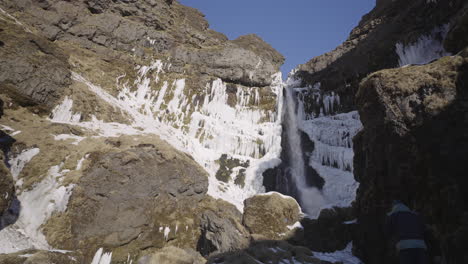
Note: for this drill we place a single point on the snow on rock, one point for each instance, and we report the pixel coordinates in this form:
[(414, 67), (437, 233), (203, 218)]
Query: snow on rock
[(63, 112), (17, 163), (204, 125), (101, 257), (426, 49), (344, 256), (76, 139), (37, 205)]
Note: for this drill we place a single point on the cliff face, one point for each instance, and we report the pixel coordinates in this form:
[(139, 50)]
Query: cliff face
[(414, 148), (130, 119), (412, 145)]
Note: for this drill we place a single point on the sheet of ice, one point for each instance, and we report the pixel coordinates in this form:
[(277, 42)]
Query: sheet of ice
[(63, 112), (205, 126), (167, 230), (426, 49), (6, 128), (17, 163), (37, 205), (101, 257), (345, 256)]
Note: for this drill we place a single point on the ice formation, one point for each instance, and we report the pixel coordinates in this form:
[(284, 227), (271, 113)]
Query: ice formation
[(37, 205), (101, 257), (426, 49), (63, 112), (310, 197), (332, 157), (204, 125), (17, 163)]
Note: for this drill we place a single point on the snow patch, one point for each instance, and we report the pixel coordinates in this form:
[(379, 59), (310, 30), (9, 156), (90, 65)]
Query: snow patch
[(37, 205), (17, 163), (101, 257), (63, 112), (76, 139)]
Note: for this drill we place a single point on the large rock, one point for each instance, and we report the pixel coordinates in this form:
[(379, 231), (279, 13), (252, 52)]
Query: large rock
[(331, 231), (222, 231), (271, 216), (414, 148), (33, 70), (139, 198)]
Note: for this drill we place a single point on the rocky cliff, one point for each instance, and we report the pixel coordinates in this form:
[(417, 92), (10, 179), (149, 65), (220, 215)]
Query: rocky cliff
[(125, 122), (412, 145)]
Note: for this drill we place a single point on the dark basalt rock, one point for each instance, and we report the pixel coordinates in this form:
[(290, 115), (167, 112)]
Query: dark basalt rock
[(414, 148)]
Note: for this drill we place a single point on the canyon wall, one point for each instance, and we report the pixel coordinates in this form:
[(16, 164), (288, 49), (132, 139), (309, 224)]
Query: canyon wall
[(412, 146)]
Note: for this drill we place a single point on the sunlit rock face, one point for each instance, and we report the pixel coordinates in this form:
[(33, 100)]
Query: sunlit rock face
[(122, 78)]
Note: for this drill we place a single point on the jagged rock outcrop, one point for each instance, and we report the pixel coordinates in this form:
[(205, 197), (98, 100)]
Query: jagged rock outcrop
[(222, 231), (271, 216), (414, 148)]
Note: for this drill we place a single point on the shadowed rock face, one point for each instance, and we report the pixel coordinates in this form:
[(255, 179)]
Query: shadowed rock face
[(414, 148), (371, 45)]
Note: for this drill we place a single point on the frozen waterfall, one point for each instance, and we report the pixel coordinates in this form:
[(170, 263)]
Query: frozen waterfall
[(310, 198)]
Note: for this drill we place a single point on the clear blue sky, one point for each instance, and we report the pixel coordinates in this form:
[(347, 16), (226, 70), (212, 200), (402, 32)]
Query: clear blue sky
[(298, 29)]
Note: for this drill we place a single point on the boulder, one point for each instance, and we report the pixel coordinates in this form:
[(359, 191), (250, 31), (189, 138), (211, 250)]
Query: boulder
[(331, 231), (222, 230), (133, 199), (271, 216)]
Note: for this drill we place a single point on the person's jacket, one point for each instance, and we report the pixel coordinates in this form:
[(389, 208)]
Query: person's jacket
[(405, 227)]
